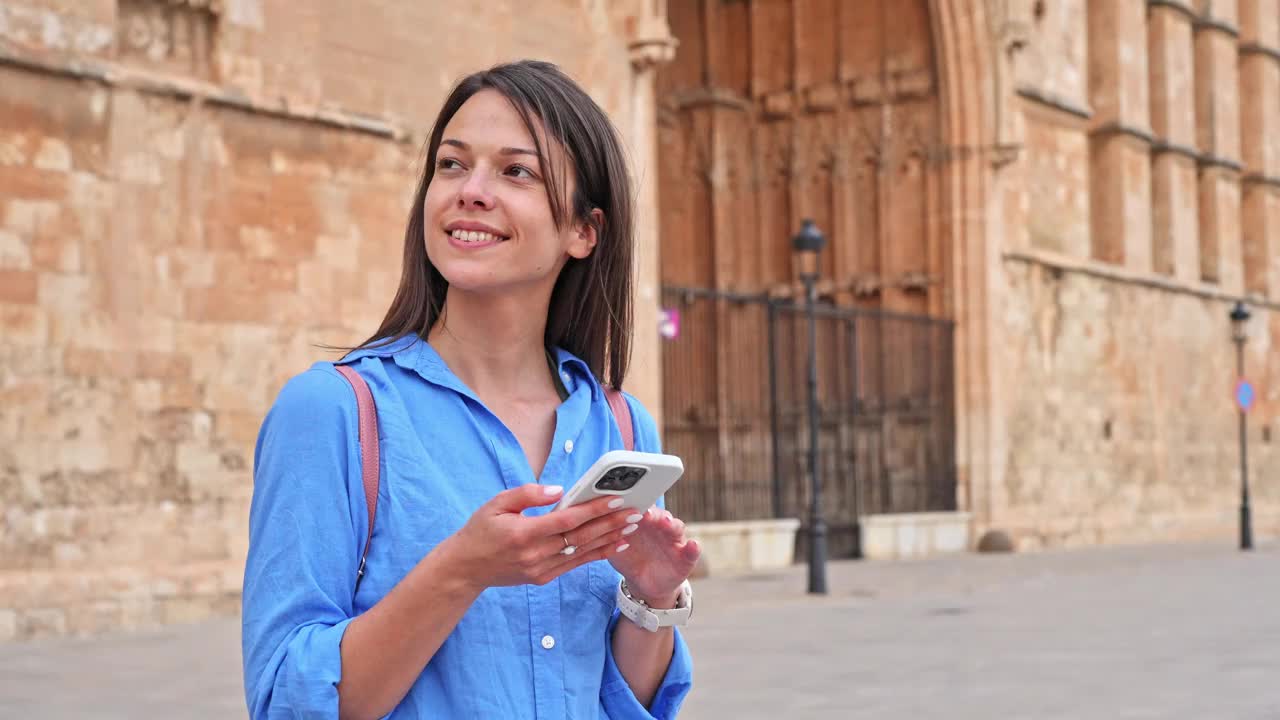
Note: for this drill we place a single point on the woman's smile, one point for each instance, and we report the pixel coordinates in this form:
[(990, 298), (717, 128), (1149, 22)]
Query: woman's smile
[(472, 235)]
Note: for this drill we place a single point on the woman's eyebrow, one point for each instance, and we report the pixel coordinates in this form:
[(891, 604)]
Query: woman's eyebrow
[(504, 151)]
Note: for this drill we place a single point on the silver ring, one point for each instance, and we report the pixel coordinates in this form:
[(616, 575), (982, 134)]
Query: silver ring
[(568, 549)]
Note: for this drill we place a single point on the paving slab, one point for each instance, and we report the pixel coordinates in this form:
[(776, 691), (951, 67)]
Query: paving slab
[(1166, 631)]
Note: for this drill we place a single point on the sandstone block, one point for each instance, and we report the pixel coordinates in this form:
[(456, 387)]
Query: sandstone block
[(1260, 237), (27, 217), (14, 149), (56, 249), (1219, 208), (18, 286), (1217, 94), (1172, 85), (1260, 113), (1223, 11), (8, 625), (64, 293), (1260, 22), (1121, 201), (24, 325), (15, 252), (53, 154), (1118, 63), (95, 618), (1175, 217), (42, 622)]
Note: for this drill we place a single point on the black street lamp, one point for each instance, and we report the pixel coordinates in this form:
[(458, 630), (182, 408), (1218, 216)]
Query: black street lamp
[(808, 246), (1239, 334)]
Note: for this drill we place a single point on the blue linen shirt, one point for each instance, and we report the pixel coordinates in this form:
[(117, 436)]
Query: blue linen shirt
[(519, 652)]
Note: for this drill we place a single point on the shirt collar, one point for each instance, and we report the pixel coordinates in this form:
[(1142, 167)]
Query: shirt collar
[(414, 353), (576, 370), (379, 348)]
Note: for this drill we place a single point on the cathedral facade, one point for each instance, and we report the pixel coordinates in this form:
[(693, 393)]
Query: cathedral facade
[(1038, 216)]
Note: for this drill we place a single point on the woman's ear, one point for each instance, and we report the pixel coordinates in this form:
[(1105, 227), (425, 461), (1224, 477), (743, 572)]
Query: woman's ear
[(586, 235)]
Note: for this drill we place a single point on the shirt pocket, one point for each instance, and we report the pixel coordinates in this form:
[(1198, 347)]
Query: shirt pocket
[(602, 581), (596, 581)]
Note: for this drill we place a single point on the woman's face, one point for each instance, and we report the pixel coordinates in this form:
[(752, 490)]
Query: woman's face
[(487, 219)]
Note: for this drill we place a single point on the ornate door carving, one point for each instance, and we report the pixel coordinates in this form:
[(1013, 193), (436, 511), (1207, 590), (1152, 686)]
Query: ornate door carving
[(776, 110)]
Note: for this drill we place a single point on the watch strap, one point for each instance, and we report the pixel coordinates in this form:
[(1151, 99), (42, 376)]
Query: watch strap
[(652, 619)]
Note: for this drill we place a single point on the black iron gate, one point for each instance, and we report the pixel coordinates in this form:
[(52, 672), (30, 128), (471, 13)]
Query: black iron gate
[(735, 410)]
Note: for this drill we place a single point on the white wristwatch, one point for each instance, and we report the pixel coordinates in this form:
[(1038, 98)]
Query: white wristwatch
[(650, 619)]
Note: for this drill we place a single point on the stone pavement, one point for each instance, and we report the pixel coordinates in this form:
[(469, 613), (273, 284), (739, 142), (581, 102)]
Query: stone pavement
[(1175, 631)]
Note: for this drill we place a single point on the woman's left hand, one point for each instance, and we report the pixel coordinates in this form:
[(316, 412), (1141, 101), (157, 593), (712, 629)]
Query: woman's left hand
[(659, 559)]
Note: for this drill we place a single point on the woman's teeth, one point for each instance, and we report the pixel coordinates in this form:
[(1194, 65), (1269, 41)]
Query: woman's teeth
[(474, 236)]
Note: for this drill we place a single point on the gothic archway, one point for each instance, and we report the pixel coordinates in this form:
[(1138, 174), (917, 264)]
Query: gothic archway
[(869, 117)]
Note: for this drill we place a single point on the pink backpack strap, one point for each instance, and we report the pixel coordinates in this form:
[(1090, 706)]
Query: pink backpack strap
[(369, 461), (622, 414)]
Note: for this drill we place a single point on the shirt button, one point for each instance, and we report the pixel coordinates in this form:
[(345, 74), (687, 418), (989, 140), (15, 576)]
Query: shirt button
[(565, 376), (548, 642), (568, 446)]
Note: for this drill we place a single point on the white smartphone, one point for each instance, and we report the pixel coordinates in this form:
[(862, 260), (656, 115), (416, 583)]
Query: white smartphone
[(639, 478)]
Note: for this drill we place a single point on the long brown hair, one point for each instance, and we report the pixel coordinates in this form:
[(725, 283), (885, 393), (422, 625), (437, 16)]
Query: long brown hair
[(590, 313)]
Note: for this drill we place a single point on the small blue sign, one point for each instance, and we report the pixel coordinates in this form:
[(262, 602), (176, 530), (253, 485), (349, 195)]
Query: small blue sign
[(1244, 395)]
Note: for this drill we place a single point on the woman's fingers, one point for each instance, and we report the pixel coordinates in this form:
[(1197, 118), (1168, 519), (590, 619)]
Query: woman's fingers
[(663, 520), (571, 537), (559, 522), (621, 521), (677, 526), (616, 524), (691, 550), (507, 547), (524, 497), (601, 548)]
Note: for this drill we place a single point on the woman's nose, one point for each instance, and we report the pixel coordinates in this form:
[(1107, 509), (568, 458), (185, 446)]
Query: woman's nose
[(475, 192)]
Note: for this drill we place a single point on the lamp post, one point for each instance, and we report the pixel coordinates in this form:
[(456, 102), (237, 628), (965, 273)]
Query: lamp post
[(808, 246), (1239, 334)]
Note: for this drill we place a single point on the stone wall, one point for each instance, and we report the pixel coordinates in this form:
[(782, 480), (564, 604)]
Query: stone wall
[(190, 201), (1151, 196), (1122, 426)]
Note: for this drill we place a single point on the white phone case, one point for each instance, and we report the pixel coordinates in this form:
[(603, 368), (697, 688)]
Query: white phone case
[(660, 473)]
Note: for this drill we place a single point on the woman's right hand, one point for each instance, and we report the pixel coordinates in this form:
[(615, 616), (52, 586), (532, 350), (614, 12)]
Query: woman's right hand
[(501, 546)]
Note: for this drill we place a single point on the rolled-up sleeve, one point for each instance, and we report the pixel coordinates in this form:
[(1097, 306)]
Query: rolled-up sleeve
[(303, 549), (620, 703)]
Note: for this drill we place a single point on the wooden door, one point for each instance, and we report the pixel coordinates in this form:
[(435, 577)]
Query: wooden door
[(774, 111)]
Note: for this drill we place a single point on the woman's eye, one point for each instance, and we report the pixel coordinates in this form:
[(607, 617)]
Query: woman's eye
[(447, 164), (520, 171)]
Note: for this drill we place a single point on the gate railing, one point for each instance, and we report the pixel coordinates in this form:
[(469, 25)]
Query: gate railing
[(735, 410)]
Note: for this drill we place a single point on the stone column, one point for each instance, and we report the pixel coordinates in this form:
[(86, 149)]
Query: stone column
[(1218, 138), (652, 46), (1120, 134), (1260, 144), (1175, 215)]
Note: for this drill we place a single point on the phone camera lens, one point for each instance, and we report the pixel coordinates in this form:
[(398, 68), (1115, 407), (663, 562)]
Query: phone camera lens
[(621, 479)]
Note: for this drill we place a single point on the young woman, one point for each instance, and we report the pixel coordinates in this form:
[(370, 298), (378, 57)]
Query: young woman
[(488, 373)]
